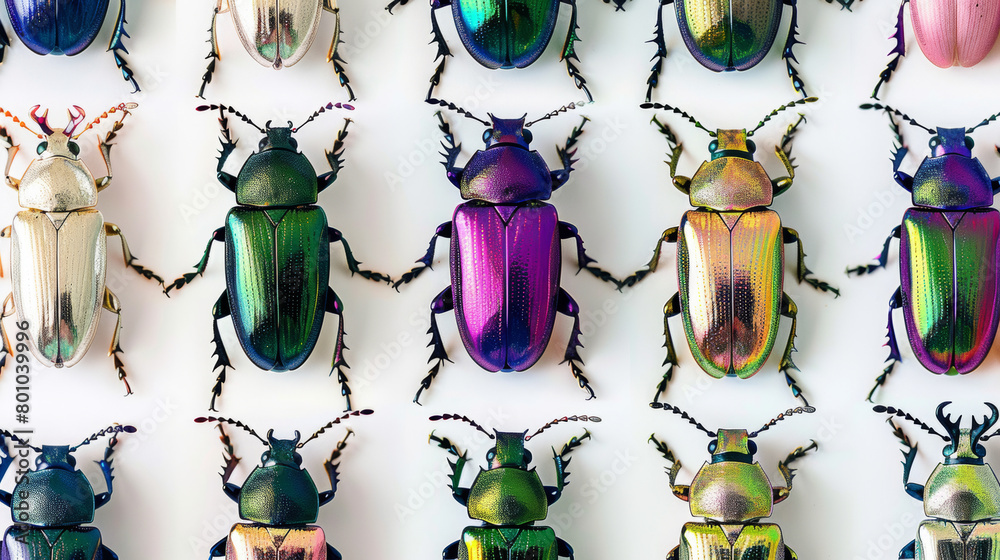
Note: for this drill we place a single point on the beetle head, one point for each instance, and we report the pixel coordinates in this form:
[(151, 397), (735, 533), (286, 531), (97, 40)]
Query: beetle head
[(951, 141), (58, 142), (732, 445), (55, 457), (507, 132), (279, 138), (732, 143), (281, 451), (964, 445), (509, 451)]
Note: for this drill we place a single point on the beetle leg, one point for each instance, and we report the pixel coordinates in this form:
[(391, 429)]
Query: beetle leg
[(352, 263), (914, 490), (105, 464), (569, 231), (894, 357), (6, 460), (566, 153), (107, 553), (451, 152), (668, 236), (231, 461), (909, 551), (790, 41), (331, 469), (4, 233), (219, 549), (553, 493), (443, 303), (899, 50), (6, 311), (784, 152), (567, 306), (671, 309), (460, 494), (790, 554), (443, 52), (674, 554), (881, 258), (661, 51), (199, 269), (117, 47), (332, 553), (214, 54), (334, 157), (683, 184), (12, 149), (788, 309), (802, 272), (450, 552), (569, 52), (338, 363), (563, 549), (780, 493), (681, 491), (112, 304), (112, 229), (333, 55), (443, 230), (219, 311)]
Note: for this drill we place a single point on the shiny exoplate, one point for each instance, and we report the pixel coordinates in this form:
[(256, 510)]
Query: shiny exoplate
[(59, 245), (962, 495), (949, 32), (730, 257), (733, 494), (277, 244), (948, 253), (505, 252), (506, 33), (508, 497), (279, 498), (66, 27), (277, 33), (52, 503)]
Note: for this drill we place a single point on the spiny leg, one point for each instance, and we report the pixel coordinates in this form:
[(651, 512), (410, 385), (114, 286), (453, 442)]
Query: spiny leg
[(894, 357), (105, 464), (443, 303), (352, 263), (330, 466), (112, 229), (563, 549), (561, 460), (780, 493), (898, 51), (913, 489), (219, 311), (7, 311), (117, 48), (214, 55), (443, 52), (661, 51), (107, 553), (569, 231), (12, 149), (112, 304), (199, 269), (789, 309), (802, 272), (333, 55), (668, 236), (565, 153), (790, 41), (334, 157), (909, 551), (882, 257), (671, 309), (567, 306), (569, 52), (681, 491), (218, 550), (460, 494), (443, 230), (784, 152), (336, 307)]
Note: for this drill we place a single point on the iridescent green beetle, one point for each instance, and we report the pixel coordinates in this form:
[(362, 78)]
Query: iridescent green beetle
[(733, 494), (508, 497)]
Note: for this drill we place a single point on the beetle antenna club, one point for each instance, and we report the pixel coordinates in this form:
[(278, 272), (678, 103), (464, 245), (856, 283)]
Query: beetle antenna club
[(774, 113), (237, 423), (228, 109), (20, 122), (465, 419), (786, 414), (900, 114), (113, 429), (322, 110), (333, 423), (574, 418), (893, 411), (671, 408), (457, 109), (680, 112), (563, 109)]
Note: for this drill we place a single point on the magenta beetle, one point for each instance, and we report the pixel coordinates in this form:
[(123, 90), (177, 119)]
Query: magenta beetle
[(949, 32), (505, 251), (730, 257), (948, 253)]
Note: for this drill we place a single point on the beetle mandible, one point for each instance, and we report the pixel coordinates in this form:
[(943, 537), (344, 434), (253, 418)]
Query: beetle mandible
[(730, 257), (506, 318), (733, 494), (279, 496), (948, 253), (961, 497), (59, 245), (55, 497), (64, 27), (277, 250), (507, 495), (277, 34)]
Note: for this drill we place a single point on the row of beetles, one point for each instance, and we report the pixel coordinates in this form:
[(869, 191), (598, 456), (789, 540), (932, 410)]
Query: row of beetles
[(505, 287)]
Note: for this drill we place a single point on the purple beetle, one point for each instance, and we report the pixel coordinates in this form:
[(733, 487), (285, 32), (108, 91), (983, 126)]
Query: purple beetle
[(505, 251), (948, 255)]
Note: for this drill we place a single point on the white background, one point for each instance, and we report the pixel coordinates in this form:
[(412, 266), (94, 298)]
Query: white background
[(848, 501)]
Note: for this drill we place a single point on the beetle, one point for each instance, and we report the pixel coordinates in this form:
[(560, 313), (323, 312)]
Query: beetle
[(733, 494), (948, 244), (730, 257), (59, 245), (52, 503), (277, 251), (950, 33), (505, 318), (505, 34), (64, 27), (962, 495), (277, 33), (508, 495), (279, 498)]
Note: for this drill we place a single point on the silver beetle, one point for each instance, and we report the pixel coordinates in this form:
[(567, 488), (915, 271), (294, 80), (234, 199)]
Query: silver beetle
[(59, 245), (277, 33)]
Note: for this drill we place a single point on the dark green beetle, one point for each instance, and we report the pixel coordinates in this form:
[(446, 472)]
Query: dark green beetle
[(508, 497), (277, 252)]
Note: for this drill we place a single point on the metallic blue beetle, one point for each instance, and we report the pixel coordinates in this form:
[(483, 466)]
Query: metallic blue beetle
[(66, 27)]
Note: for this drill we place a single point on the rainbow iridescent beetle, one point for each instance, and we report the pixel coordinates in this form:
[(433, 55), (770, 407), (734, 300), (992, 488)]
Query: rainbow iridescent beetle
[(731, 230), (277, 252), (508, 497), (277, 33), (279, 498), (949, 32), (733, 494), (961, 497), (59, 245), (506, 319), (51, 503), (505, 34), (64, 27), (948, 253)]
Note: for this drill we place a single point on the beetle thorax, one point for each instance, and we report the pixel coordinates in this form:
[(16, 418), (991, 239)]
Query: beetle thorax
[(732, 180), (951, 179), (732, 488), (57, 181), (506, 174)]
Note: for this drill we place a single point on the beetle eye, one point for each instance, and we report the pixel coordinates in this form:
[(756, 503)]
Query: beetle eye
[(42, 147), (751, 147), (74, 148), (712, 446), (487, 135), (526, 134), (262, 144), (713, 146), (293, 142), (527, 457), (935, 142), (491, 454), (752, 447), (969, 142)]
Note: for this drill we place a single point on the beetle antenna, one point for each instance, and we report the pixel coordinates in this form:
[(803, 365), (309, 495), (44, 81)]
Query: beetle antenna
[(782, 416), (23, 442), (323, 109), (891, 410), (457, 109), (242, 117), (985, 122), (774, 113), (113, 429), (18, 121), (563, 109), (123, 107), (564, 419), (978, 429), (898, 113), (42, 121), (334, 422), (671, 408), (465, 419), (690, 119), (237, 423)]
